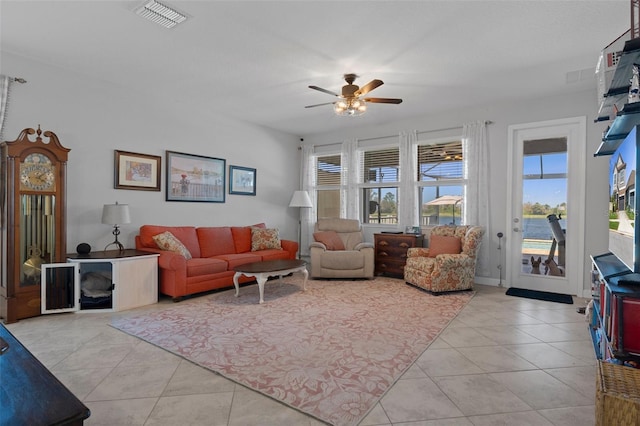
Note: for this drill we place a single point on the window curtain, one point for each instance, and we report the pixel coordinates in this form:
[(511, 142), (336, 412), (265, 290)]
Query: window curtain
[(349, 207), (5, 90), (307, 216), (408, 200), (477, 208)]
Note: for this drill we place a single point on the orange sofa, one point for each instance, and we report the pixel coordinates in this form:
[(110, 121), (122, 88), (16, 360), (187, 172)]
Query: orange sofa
[(215, 252)]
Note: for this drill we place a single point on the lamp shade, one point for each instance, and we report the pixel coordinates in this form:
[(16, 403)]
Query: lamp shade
[(115, 214), (300, 199)]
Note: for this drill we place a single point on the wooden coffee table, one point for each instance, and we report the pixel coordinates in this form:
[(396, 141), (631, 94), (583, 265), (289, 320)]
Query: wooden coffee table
[(270, 268)]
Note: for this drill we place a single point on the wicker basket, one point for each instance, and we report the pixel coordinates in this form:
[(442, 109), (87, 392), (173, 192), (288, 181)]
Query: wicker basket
[(617, 395)]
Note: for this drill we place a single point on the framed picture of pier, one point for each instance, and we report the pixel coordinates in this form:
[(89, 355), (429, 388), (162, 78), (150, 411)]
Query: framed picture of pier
[(195, 178), (137, 171), (242, 180)]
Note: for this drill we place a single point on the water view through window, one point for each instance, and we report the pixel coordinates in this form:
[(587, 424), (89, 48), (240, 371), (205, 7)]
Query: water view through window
[(544, 196)]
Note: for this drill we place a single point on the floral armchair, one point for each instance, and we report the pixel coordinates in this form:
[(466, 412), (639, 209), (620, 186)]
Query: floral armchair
[(449, 264)]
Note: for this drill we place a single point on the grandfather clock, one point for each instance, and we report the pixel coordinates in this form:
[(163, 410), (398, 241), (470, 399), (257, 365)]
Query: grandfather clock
[(33, 204)]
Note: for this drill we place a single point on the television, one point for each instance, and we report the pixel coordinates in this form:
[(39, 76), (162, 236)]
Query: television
[(623, 220)]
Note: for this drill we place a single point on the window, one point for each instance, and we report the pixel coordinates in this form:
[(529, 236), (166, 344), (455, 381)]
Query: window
[(328, 180), (380, 176), (441, 183)]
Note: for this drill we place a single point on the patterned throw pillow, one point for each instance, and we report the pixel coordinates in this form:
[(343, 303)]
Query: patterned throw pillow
[(263, 239), (441, 244), (330, 239), (168, 241)]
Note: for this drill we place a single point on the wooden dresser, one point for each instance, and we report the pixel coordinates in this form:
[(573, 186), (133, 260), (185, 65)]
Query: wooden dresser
[(391, 252)]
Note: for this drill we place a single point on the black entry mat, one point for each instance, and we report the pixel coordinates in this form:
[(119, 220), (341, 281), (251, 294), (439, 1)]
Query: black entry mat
[(540, 295)]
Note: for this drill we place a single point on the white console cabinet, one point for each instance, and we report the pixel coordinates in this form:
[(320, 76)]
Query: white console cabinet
[(104, 281)]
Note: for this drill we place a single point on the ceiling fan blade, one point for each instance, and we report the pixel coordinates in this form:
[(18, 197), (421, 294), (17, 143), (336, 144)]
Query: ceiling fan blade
[(383, 100), (324, 90), (326, 103), (368, 87)]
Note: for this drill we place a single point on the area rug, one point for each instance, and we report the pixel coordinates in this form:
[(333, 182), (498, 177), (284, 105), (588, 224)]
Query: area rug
[(540, 295), (331, 351)]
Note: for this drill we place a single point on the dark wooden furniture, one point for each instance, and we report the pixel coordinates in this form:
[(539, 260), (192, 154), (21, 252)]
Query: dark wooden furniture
[(33, 181), (391, 252), (29, 393)]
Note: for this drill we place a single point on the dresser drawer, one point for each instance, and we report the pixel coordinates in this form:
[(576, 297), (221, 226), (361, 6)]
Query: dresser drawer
[(391, 252)]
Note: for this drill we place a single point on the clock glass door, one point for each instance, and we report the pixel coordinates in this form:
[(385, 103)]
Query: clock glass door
[(37, 236)]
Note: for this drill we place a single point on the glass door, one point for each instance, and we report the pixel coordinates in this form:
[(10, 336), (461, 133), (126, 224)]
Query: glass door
[(545, 215)]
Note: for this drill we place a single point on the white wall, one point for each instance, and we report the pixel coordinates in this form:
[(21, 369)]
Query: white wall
[(595, 237), (94, 118)]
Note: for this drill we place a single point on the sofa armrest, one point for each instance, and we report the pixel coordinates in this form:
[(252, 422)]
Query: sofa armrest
[(291, 247), (317, 245), (454, 261), (418, 252), (361, 246)]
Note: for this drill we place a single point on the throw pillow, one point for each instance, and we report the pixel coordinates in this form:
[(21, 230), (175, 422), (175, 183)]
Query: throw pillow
[(441, 244), (263, 239), (331, 239), (167, 241)]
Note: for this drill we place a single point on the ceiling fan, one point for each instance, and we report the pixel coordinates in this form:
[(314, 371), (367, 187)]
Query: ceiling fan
[(350, 102)]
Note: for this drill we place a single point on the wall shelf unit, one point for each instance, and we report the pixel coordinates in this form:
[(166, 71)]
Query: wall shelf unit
[(628, 115)]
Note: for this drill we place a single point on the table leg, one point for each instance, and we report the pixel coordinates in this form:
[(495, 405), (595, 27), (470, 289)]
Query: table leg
[(304, 282), (261, 278), (235, 283)]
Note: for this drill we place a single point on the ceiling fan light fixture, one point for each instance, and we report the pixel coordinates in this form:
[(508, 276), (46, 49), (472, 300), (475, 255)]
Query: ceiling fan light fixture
[(351, 107)]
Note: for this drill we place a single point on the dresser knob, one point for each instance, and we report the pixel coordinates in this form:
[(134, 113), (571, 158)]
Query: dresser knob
[(383, 243), (404, 245), (383, 253)]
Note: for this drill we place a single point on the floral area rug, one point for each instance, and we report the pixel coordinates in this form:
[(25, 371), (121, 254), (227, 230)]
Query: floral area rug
[(331, 351)]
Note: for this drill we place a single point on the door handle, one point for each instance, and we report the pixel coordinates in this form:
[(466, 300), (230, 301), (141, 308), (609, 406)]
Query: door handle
[(516, 229)]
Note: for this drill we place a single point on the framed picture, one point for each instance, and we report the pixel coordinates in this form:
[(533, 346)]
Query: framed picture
[(195, 178), (242, 180), (412, 230), (137, 171)]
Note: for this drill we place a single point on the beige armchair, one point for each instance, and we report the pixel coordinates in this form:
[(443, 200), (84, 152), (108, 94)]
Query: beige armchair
[(449, 264), (339, 250)]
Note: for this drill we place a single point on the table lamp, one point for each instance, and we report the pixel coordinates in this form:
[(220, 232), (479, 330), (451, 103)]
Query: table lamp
[(116, 214)]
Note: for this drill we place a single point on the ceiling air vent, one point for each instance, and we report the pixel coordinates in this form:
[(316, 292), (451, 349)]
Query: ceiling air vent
[(161, 14)]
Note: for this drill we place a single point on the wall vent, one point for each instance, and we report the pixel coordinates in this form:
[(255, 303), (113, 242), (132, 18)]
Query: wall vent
[(161, 14)]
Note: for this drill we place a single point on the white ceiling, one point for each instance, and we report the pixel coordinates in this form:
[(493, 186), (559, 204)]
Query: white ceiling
[(254, 59)]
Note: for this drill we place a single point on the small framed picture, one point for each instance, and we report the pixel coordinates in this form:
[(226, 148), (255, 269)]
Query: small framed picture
[(195, 178), (412, 230), (242, 180), (137, 171)]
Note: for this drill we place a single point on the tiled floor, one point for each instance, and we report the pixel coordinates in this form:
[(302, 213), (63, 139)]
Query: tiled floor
[(502, 361)]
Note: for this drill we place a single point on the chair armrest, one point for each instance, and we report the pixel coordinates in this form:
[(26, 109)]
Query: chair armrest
[(316, 244), (361, 246), (418, 252)]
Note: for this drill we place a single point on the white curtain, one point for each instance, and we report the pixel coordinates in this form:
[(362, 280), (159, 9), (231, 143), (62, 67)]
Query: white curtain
[(308, 184), (477, 209), (408, 200), (5, 88), (350, 207)]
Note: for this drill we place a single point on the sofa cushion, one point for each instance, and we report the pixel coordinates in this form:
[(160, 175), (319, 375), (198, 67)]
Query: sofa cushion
[(272, 254), (235, 259), (242, 237), (330, 239), (263, 239), (342, 260), (442, 244), (186, 234), (215, 240), (205, 266), (167, 241)]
